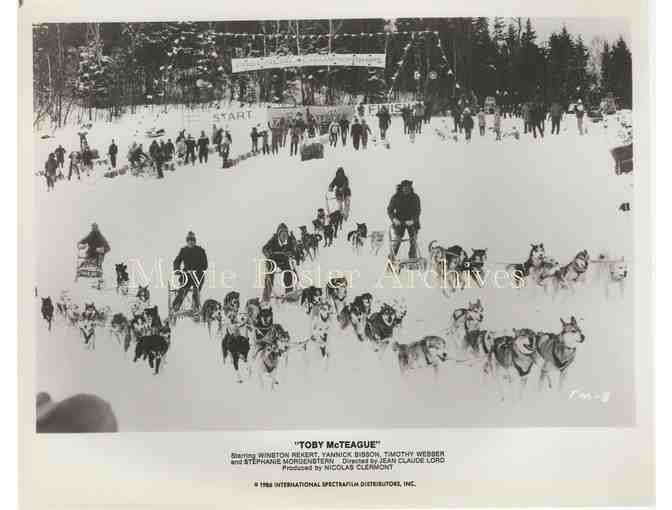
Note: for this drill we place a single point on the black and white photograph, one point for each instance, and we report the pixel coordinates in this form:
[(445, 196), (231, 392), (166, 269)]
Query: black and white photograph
[(333, 223)]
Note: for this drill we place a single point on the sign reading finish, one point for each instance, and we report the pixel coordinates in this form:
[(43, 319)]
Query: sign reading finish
[(241, 65)]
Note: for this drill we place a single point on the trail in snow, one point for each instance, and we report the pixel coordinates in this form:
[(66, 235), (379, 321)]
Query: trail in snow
[(499, 196)]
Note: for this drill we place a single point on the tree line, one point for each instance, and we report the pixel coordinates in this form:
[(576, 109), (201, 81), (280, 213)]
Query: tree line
[(119, 66)]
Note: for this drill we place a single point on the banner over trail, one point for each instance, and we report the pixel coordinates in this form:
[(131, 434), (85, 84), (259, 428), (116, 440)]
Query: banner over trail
[(241, 65)]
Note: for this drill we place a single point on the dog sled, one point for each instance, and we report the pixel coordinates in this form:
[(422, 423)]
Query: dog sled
[(623, 159), (187, 308), (88, 267), (312, 150), (396, 263)]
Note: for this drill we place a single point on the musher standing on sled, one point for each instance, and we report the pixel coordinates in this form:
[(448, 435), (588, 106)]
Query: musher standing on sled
[(341, 186), (404, 211), (96, 245), (193, 261), (280, 250)]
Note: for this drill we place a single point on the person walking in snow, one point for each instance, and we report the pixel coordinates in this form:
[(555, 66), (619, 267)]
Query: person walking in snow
[(203, 143), (366, 131), (226, 146), (190, 144), (481, 122), (50, 171), (356, 133), (334, 132), (467, 124), (344, 125), (580, 112), (384, 121)]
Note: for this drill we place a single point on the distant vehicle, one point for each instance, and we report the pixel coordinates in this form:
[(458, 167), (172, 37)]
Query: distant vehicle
[(489, 104)]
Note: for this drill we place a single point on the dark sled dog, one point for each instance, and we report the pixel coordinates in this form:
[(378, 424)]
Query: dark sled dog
[(356, 237), (122, 278), (48, 311)]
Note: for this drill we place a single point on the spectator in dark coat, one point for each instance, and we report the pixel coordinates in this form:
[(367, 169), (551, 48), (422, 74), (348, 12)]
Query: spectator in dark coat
[(356, 134), (344, 124), (404, 211), (226, 147), (192, 263), (60, 155), (112, 152), (50, 171), (169, 150), (191, 150), (74, 164), (555, 114), (384, 121), (279, 251), (203, 143)]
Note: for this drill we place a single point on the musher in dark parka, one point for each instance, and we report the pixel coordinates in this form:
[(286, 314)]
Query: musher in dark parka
[(404, 211), (193, 261), (279, 249)]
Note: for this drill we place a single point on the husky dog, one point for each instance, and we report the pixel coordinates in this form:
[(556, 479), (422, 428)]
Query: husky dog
[(478, 345), (153, 319), (377, 238), (356, 314), (530, 267), (513, 357), (320, 221), (211, 312), (237, 343), (473, 267), (380, 327), (447, 263), (320, 324), (618, 272), (122, 278), (557, 351), (310, 242), (356, 237), (310, 297), (429, 351), (47, 311), (336, 221), (64, 304), (328, 233), (143, 294), (337, 291), (400, 310), (468, 318), (231, 304), (87, 324), (121, 328), (252, 309), (154, 348), (568, 276), (271, 342)]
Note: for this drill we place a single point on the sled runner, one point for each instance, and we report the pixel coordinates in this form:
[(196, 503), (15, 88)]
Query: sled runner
[(397, 263), (187, 308), (89, 268), (329, 196)]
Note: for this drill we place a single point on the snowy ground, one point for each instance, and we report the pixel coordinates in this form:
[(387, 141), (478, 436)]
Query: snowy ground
[(501, 196)]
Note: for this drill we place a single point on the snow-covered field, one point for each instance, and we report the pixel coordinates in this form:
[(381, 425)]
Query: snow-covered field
[(500, 196)]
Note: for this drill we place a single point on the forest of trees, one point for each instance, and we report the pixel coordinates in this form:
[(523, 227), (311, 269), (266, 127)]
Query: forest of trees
[(118, 66)]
